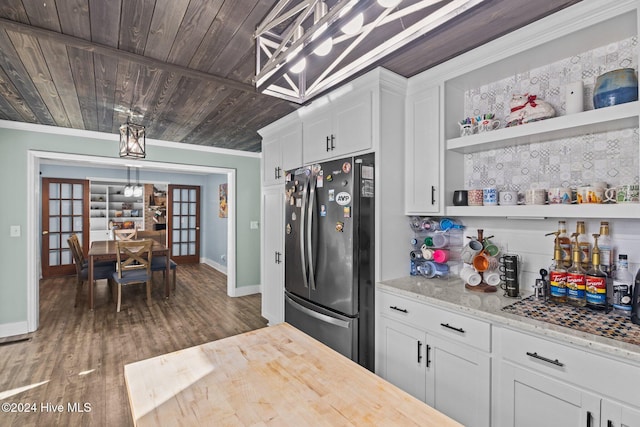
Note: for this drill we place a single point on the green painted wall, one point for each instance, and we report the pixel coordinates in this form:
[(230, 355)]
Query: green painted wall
[(14, 145)]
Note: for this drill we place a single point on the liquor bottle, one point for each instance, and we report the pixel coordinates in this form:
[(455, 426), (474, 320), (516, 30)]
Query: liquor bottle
[(622, 283), (583, 243), (575, 277), (596, 280), (606, 249), (565, 243), (557, 273)]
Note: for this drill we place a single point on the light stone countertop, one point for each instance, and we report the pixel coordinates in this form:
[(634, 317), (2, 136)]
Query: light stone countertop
[(451, 294)]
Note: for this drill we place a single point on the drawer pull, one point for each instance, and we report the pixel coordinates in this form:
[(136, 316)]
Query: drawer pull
[(446, 325), (609, 423), (428, 351), (419, 352), (545, 359), (403, 310), (589, 418)]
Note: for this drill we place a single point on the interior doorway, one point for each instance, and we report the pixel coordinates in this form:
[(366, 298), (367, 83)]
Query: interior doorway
[(33, 232)]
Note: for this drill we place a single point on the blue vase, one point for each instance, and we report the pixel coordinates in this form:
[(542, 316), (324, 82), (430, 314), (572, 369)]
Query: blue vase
[(615, 87)]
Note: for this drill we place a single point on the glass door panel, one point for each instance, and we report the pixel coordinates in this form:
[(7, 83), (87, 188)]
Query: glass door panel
[(184, 219)]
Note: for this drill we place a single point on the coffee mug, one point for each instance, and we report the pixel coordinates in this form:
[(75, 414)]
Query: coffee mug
[(426, 252), (460, 198), (475, 197), (470, 276), (467, 129), (470, 250), (536, 196), (590, 194), (488, 125), (559, 196), (610, 195), (492, 277), (490, 248), (629, 193), (508, 198), (441, 256), (489, 196), (481, 262)]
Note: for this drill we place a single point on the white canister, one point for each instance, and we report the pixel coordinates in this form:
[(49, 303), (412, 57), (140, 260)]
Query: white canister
[(574, 97), (489, 196)]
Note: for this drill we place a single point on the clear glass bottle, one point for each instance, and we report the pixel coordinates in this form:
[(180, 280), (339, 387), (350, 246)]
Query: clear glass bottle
[(558, 275), (596, 281), (565, 243), (606, 249), (575, 278), (583, 243), (621, 289)]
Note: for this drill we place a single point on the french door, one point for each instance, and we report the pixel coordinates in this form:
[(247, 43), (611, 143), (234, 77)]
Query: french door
[(184, 223), (64, 203)]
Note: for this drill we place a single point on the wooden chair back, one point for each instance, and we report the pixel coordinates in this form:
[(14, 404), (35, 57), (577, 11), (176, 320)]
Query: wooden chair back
[(159, 236), (133, 255), (126, 234), (76, 251)]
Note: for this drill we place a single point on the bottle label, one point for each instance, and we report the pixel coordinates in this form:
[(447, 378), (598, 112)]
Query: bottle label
[(575, 285), (596, 288), (620, 291), (558, 281), (566, 253)]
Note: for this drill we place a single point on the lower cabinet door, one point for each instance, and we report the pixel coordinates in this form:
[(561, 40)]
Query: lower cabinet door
[(615, 414), (529, 399), (458, 382), (400, 356)]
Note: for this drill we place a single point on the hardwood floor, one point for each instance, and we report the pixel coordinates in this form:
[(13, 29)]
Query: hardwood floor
[(78, 356)]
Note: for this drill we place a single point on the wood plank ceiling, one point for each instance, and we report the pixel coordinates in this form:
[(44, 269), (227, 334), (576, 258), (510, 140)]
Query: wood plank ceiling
[(184, 66)]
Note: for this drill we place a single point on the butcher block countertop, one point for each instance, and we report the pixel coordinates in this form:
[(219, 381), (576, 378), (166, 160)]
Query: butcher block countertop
[(275, 376)]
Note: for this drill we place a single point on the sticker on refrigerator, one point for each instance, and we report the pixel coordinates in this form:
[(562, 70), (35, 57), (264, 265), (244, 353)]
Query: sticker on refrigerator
[(346, 211), (340, 226), (293, 216), (329, 178), (323, 210), (288, 228), (367, 172), (319, 180), (332, 195), (367, 188), (288, 177), (292, 200), (346, 167), (298, 203), (343, 198)]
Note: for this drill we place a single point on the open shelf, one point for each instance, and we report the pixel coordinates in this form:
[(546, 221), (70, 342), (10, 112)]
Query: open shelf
[(626, 210), (594, 121)]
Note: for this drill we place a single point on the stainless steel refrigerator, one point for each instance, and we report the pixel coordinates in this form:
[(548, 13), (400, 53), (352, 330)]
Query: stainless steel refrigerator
[(329, 254)]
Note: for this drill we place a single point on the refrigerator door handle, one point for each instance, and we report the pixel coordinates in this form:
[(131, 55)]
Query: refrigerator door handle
[(302, 234), (309, 230), (319, 316)]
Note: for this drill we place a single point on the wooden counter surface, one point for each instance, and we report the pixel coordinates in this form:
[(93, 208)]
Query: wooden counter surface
[(276, 376)]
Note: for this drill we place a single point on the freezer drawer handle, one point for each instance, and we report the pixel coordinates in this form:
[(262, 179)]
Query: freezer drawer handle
[(403, 310), (446, 325), (535, 355), (320, 316), (419, 352)]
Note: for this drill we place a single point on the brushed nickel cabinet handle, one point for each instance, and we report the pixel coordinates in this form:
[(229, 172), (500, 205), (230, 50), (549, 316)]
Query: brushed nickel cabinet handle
[(535, 355)]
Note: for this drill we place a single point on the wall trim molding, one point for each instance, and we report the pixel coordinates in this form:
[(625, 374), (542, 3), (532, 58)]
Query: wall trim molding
[(55, 130)]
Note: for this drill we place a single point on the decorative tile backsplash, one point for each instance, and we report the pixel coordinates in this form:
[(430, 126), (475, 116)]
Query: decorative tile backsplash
[(612, 157)]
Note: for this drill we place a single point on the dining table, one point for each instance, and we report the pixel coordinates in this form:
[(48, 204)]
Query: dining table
[(106, 250)]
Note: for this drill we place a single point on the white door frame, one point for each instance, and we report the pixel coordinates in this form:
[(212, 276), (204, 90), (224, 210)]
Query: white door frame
[(34, 159)]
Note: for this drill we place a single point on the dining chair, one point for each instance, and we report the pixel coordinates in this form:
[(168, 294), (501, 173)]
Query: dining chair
[(133, 265), (160, 263), (126, 233), (102, 270)]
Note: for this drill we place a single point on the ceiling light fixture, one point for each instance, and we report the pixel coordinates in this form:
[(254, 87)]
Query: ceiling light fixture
[(128, 189), (132, 141), (347, 38), (138, 189)]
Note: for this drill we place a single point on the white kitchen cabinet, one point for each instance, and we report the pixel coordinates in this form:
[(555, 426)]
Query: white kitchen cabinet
[(422, 153), (529, 399), (418, 349), (614, 414), (281, 151), (272, 255), (338, 128)]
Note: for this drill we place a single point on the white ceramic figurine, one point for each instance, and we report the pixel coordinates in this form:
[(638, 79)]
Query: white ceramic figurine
[(527, 108)]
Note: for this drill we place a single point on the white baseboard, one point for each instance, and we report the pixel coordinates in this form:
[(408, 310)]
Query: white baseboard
[(234, 292), (12, 329)]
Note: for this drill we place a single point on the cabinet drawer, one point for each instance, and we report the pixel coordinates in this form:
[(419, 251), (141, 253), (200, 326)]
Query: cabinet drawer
[(438, 321), (588, 370)]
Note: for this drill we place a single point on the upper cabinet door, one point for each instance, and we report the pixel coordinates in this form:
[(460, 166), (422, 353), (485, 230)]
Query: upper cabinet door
[(423, 191), (339, 128), (281, 151)]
